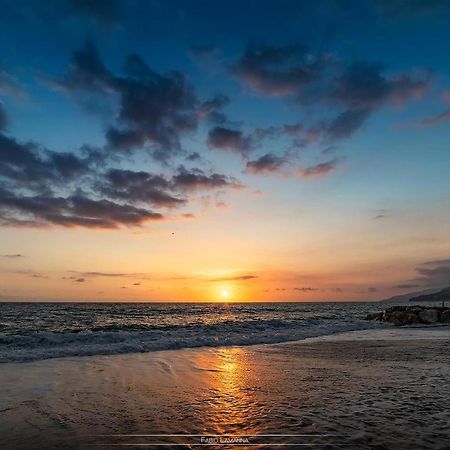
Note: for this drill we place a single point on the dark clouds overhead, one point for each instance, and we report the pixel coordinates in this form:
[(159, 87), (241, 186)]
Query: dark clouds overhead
[(189, 180), (352, 91), (266, 163), (274, 70), (227, 139), (153, 109)]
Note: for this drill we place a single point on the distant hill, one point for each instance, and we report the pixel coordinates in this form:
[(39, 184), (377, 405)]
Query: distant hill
[(440, 296), (409, 296)]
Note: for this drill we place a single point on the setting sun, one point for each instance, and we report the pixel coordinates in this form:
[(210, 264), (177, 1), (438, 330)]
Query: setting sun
[(225, 294)]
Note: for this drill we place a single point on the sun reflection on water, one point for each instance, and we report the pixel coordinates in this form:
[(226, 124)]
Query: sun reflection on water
[(230, 400)]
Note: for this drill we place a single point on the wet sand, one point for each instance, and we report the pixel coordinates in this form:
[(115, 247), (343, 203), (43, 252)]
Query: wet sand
[(383, 389)]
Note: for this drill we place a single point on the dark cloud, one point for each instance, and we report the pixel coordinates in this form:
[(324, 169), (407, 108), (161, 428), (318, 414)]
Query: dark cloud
[(212, 109), (33, 166), (351, 91), (436, 119), (363, 86), (79, 280), (3, 118), (229, 140), (346, 123), (305, 289), (193, 157), (381, 214), (430, 274), (13, 256), (101, 10), (266, 163), (139, 186), (73, 211), (372, 289), (300, 289), (237, 278), (104, 274), (153, 109), (273, 71), (319, 169), (194, 179)]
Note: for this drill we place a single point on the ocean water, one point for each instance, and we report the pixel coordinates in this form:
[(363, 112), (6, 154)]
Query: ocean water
[(33, 331)]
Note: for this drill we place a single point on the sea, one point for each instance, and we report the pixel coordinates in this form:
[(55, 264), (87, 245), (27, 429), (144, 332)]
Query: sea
[(36, 331)]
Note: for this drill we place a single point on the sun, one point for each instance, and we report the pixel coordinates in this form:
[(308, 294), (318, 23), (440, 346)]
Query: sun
[(224, 294)]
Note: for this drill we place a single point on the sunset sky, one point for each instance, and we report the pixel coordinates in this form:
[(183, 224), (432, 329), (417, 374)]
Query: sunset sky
[(160, 150)]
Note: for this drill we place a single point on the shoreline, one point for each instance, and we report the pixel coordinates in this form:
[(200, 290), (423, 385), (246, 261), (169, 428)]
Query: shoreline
[(345, 384), (386, 332)]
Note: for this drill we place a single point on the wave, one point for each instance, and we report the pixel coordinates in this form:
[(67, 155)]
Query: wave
[(131, 338)]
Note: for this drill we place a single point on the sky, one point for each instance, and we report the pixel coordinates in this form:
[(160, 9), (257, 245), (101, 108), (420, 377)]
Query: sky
[(162, 150)]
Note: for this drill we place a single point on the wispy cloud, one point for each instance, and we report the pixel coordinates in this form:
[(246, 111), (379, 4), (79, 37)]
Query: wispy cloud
[(14, 256), (236, 278)]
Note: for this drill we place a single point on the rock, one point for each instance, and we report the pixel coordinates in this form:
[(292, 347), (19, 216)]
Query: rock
[(410, 318), (375, 316), (445, 316), (428, 316)]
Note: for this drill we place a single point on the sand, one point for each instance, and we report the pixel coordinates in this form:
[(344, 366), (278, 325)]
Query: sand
[(379, 389)]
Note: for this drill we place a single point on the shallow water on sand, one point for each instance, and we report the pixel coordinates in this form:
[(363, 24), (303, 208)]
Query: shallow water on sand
[(353, 395)]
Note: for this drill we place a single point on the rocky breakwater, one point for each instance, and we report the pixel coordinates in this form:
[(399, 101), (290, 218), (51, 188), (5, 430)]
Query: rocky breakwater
[(409, 315)]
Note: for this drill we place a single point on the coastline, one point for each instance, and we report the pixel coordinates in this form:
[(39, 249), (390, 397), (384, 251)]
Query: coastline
[(358, 385)]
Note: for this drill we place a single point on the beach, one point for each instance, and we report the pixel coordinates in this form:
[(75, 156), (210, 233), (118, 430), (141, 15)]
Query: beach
[(382, 389)]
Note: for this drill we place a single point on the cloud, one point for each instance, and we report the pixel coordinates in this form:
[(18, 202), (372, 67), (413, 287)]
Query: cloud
[(212, 108), (382, 214), (139, 186), (229, 140), (104, 274), (73, 211), (436, 119), (300, 289), (79, 280), (266, 163), (346, 123), (14, 256), (196, 179), (363, 86), (36, 167), (318, 170), (9, 85), (352, 91), (446, 96), (152, 109), (3, 118), (236, 278), (305, 289), (435, 273), (273, 70)]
